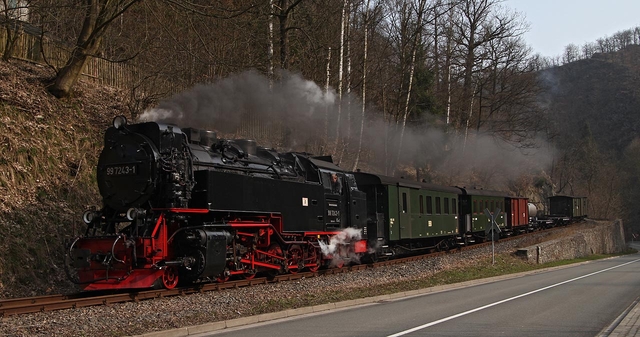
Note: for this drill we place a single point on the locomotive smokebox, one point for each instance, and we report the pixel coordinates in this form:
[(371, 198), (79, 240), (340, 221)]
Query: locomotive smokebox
[(126, 169)]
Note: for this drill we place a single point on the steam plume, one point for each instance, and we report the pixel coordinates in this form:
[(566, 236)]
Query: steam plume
[(301, 108)]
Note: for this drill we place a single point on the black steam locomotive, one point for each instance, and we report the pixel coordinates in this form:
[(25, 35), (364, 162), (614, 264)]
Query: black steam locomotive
[(181, 205)]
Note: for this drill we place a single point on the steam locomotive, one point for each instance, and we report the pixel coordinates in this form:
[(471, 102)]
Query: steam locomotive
[(183, 206)]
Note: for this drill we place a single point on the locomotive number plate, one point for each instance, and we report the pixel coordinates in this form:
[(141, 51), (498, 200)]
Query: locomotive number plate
[(122, 170)]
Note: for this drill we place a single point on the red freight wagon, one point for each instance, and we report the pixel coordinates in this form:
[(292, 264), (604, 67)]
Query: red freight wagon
[(518, 213)]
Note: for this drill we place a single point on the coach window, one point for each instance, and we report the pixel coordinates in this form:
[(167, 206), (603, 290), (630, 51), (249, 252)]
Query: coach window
[(429, 205), (421, 204), (438, 206), (486, 204), (493, 206), (404, 202), (446, 205), (454, 206), (475, 207)]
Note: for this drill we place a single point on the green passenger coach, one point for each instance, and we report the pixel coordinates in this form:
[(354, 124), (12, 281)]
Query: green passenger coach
[(474, 220), (411, 215)]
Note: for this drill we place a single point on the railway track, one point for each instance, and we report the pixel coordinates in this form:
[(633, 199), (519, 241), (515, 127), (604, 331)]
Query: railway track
[(18, 306)]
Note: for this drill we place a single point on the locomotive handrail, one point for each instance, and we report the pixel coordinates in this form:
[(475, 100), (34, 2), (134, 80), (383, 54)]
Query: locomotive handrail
[(113, 247), (245, 169)]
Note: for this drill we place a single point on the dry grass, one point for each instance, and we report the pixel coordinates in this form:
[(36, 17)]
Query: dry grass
[(48, 152)]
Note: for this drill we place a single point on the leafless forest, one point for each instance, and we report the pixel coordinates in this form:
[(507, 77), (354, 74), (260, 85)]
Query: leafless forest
[(441, 90)]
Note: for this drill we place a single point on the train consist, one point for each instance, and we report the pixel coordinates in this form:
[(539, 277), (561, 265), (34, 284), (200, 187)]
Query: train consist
[(182, 206)]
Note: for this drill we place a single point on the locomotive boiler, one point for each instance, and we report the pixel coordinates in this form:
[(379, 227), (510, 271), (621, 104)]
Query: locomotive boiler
[(181, 205)]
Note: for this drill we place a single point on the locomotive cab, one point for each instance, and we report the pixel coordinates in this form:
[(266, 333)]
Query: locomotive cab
[(345, 204)]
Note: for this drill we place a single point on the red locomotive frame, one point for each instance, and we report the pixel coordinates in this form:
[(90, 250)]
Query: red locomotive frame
[(266, 249)]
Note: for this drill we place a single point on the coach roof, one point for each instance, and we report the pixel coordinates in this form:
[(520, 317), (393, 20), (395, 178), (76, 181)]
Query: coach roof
[(375, 179)]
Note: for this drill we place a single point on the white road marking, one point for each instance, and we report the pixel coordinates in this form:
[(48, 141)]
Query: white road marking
[(402, 333)]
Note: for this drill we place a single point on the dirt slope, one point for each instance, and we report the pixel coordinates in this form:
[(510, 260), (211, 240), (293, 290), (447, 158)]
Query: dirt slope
[(48, 151)]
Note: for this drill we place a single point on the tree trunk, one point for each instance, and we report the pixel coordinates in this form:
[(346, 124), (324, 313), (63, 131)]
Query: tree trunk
[(69, 74), (270, 48), (364, 85), (13, 32), (340, 71), (412, 67), (326, 92), (346, 41), (98, 15)]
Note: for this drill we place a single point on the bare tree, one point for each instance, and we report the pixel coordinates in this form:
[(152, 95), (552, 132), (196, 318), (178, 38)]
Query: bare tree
[(364, 83), (12, 15), (417, 34), (99, 14), (270, 50), (283, 11), (571, 53), (480, 22)]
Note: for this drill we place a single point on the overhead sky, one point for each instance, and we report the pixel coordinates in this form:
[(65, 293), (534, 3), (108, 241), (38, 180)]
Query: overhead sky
[(557, 23)]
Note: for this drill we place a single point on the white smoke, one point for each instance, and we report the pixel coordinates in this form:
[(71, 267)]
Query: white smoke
[(338, 247), (157, 114)]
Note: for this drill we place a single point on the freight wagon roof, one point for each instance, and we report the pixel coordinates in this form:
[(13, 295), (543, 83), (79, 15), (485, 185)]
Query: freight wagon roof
[(566, 196), (516, 197), (473, 191), (376, 179)]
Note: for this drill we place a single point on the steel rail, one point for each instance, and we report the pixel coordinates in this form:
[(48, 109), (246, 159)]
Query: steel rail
[(18, 306)]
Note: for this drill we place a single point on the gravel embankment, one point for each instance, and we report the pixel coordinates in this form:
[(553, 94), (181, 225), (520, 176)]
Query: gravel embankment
[(168, 313)]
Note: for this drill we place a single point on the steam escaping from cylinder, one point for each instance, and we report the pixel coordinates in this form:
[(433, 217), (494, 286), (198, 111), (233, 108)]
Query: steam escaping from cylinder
[(338, 247)]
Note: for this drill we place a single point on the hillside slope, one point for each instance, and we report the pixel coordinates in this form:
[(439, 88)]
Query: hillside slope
[(596, 97), (48, 152)]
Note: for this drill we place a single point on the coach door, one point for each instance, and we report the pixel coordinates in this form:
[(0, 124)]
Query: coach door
[(404, 210)]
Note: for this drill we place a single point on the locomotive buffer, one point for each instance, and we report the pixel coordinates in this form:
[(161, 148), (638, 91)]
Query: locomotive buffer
[(492, 231)]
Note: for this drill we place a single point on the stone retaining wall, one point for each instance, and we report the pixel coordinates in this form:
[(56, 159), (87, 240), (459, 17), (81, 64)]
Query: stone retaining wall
[(600, 238)]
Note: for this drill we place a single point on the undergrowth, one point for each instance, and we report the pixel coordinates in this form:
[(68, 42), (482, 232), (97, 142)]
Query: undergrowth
[(48, 153)]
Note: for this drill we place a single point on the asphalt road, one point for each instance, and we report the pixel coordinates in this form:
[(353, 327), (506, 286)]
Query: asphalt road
[(580, 300)]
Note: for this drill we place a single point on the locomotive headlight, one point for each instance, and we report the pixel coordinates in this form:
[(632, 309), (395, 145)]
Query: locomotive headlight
[(119, 122), (134, 213), (89, 216)]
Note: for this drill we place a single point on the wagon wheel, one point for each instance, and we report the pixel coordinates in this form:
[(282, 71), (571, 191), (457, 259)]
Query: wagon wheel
[(170, 277), (222, 278), (295, 259), (314, 256), (372, 257)]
